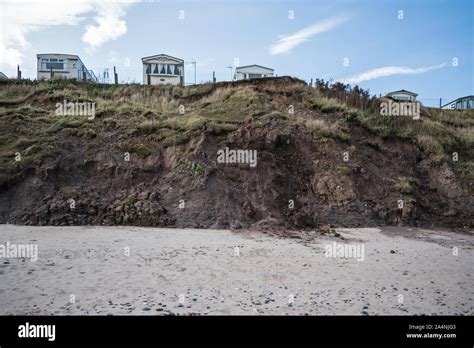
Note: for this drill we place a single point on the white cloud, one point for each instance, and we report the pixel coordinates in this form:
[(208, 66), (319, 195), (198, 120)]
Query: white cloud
[(287, 43), (109, 28), (19, 18), (109, 25), (388, 71), (9, 57)]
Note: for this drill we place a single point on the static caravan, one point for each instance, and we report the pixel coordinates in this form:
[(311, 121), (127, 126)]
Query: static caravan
[(62, 66), (402, 95), (252, 72), (162, 69), (463, 103)]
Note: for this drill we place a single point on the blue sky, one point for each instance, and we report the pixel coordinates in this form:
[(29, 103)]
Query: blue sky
[(384, 52)]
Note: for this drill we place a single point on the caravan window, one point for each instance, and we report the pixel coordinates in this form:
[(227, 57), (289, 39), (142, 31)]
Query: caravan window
[(52, 63)]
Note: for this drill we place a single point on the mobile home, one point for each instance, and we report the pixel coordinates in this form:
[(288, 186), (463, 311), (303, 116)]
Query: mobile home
[(62, 66), (252, 72), (460, 103), (402, 95), (163, 69)]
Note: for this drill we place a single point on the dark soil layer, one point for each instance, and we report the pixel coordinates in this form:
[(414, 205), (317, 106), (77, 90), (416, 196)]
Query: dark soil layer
[(181, 184)]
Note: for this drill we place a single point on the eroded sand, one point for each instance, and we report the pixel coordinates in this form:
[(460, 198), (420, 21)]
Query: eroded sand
[(202, 266)]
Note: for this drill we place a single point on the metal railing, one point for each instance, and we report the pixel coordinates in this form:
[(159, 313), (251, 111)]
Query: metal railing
[(86, 75)]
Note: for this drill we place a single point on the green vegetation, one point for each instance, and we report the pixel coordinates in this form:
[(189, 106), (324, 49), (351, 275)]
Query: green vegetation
[(130, 200), (139, 149), (404, 185), (67, 191), (185, 167), (343, 170), (326, 105), (320, 128), (197, 169), (373, 144), (438, 133), (174, 121)]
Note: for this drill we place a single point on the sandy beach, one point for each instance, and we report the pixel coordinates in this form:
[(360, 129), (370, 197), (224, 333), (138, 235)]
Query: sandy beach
[(154, 271)]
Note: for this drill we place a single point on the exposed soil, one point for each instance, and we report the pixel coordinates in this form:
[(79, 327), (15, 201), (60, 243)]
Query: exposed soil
[(292, 165)]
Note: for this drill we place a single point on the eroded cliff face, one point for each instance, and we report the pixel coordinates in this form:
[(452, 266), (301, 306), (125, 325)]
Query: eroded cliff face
[(141, 161)]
